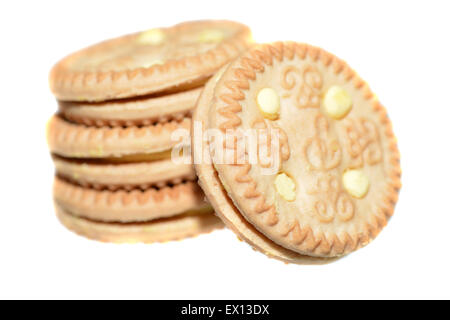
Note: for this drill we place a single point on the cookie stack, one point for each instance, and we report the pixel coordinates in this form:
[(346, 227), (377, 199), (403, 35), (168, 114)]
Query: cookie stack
[(121, 103)]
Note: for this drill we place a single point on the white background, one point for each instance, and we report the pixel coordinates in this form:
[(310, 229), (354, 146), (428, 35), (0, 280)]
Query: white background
[(400, 47)]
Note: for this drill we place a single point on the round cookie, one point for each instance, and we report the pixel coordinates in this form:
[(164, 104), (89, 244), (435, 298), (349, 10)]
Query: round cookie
[(128, 206), (156, 60), (333, 175), (161, 230), (217, 196), (112, 176), (79, 141), (133, 111)]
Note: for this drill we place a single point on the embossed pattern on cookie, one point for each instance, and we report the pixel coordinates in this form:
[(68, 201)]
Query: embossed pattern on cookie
[(339, 185), (217, 195)]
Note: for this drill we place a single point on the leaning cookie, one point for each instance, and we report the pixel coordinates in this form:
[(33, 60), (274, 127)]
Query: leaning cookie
[(158, 60), (326, 174), (168, 229), (217, 196)]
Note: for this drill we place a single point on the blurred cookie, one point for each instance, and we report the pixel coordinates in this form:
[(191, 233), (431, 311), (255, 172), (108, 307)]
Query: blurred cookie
[(80, 141), (158, 60), (161, 230), (132, 111), (128, 206), (122, 173)]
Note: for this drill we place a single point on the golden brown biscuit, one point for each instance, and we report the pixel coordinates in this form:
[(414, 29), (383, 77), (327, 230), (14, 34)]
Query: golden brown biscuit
[(161, 230), (156, 60), (112, 175), (128, 206), (79, 141), (133, 111), (334, 175)]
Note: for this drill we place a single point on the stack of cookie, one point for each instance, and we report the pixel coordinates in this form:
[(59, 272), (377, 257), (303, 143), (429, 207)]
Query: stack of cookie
[(120, 104)]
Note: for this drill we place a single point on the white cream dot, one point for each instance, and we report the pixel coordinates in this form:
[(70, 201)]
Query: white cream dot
[(285, 186), (152, 36), (356, 183), (269, 103), (337, 102)]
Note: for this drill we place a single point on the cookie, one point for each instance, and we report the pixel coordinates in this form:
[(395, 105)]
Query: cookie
[(156, 60), (73, 140), (132, 111), (161, 230), (322, 175), (128, 206), (217, 196), (112, 174)]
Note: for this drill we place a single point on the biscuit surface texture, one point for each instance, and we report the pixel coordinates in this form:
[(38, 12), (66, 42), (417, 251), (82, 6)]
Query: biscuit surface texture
[(147, 62), (328, 123), (131, 175), (222, 204)]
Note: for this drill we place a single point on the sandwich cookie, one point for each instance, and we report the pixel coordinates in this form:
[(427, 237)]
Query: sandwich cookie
[(158, 60), (128, 206), (161, 230), (126, 173), (217, 195), (132, 111), (74, 140), (325, 176)]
